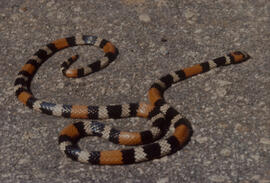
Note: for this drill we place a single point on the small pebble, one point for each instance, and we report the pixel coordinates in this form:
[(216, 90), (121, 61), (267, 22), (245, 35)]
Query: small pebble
[(201, 140), (77, 9), (225, 152), (50, 3), (265, 141), (189, 14), (161, 3), (264, 181), (144, 18), (163, 50), (23, 9), (163, 180), (256, 177), (223, 82), (23, 161), (221, 92), (217, 178)]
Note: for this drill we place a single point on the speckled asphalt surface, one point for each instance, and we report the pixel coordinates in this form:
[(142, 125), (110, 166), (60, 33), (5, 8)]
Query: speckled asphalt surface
[(228, 107)]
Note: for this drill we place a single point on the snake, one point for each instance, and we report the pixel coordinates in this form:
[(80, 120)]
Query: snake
[(149, 144)]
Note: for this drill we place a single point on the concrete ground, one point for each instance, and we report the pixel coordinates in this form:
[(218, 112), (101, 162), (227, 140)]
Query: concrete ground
[(228, 107)]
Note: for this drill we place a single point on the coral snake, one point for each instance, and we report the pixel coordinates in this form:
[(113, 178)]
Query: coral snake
[(165, 120)]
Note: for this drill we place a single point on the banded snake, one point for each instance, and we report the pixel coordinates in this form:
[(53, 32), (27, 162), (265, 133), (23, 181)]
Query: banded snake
[(163, 117)]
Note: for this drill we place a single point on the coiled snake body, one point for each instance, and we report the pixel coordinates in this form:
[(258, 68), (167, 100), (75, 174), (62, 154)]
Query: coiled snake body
[(159, 113)]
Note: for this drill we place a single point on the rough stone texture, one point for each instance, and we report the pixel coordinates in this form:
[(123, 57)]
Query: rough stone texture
[(228, 107)]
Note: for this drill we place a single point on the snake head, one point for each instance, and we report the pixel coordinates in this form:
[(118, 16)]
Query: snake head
[(239, 56)]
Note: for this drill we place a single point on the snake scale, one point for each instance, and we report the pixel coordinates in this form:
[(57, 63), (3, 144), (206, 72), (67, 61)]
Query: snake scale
[(164, 118)]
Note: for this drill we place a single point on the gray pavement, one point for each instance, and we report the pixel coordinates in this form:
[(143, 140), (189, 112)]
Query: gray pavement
[(228, 107)]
